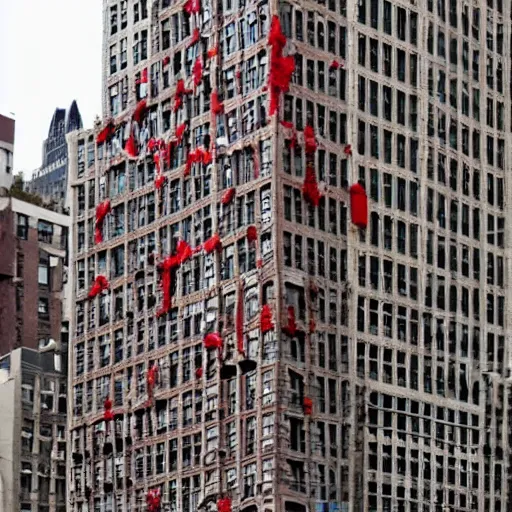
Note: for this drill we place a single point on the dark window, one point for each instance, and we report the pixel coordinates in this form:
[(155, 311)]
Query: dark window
[(22, 226), (387, 15), (43, 309), (44, 232)]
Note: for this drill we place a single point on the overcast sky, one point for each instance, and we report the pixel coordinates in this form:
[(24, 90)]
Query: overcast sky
[(50, 54)]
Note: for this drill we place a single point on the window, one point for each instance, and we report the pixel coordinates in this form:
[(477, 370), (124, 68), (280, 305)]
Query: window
[(374, 98), (43, 272), (124, 58), (400, 100), (388, 102), (400, 65), (250, 435), (8, 163), (26, 482), (229, 39), (115, 100), (113, 59), (298, 481), (362, 93), (113, 20), (386, 55), (268, 425), (43, 310), (22, 227), (387, 17), (297, 435), (249, 480), (44, 232), (401, 22), (140, 47), (374, 14), (374, 55), (140, 11)]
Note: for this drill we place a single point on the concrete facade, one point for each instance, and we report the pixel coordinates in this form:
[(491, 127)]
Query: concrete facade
[(33, 275), (33, 434), (393, 392)]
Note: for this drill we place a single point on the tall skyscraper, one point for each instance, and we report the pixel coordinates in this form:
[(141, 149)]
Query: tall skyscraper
[(291, 296), (51, 180)]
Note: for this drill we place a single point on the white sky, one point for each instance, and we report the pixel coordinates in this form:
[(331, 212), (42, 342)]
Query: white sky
[(50, 54)]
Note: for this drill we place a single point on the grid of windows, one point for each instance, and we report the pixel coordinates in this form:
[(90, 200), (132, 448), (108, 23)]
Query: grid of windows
[(391, 339)]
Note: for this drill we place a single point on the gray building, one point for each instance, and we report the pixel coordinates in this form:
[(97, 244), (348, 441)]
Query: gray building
[(51, 180), (319, 347), (33, 432)]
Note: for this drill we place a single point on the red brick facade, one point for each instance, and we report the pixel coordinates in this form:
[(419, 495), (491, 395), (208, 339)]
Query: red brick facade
[(21, 324), (7, 287)]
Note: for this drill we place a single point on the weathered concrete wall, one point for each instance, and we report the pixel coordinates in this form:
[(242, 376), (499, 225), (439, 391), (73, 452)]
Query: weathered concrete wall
[(10, 439)]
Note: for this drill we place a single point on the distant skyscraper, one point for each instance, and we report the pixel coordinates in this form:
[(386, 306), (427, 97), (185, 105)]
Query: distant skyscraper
[(50, 181)]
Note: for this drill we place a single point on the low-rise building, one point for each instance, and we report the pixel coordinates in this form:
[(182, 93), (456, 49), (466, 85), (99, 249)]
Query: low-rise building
[(33, 274), (33, 429), (34, 317)]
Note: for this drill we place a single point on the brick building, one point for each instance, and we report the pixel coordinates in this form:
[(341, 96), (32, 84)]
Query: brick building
[(34, 323), (33, 274), (261, 340), (7, 126)]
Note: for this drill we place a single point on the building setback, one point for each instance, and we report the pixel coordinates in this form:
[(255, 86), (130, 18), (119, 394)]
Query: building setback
[(51, 180), (302, 309)]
